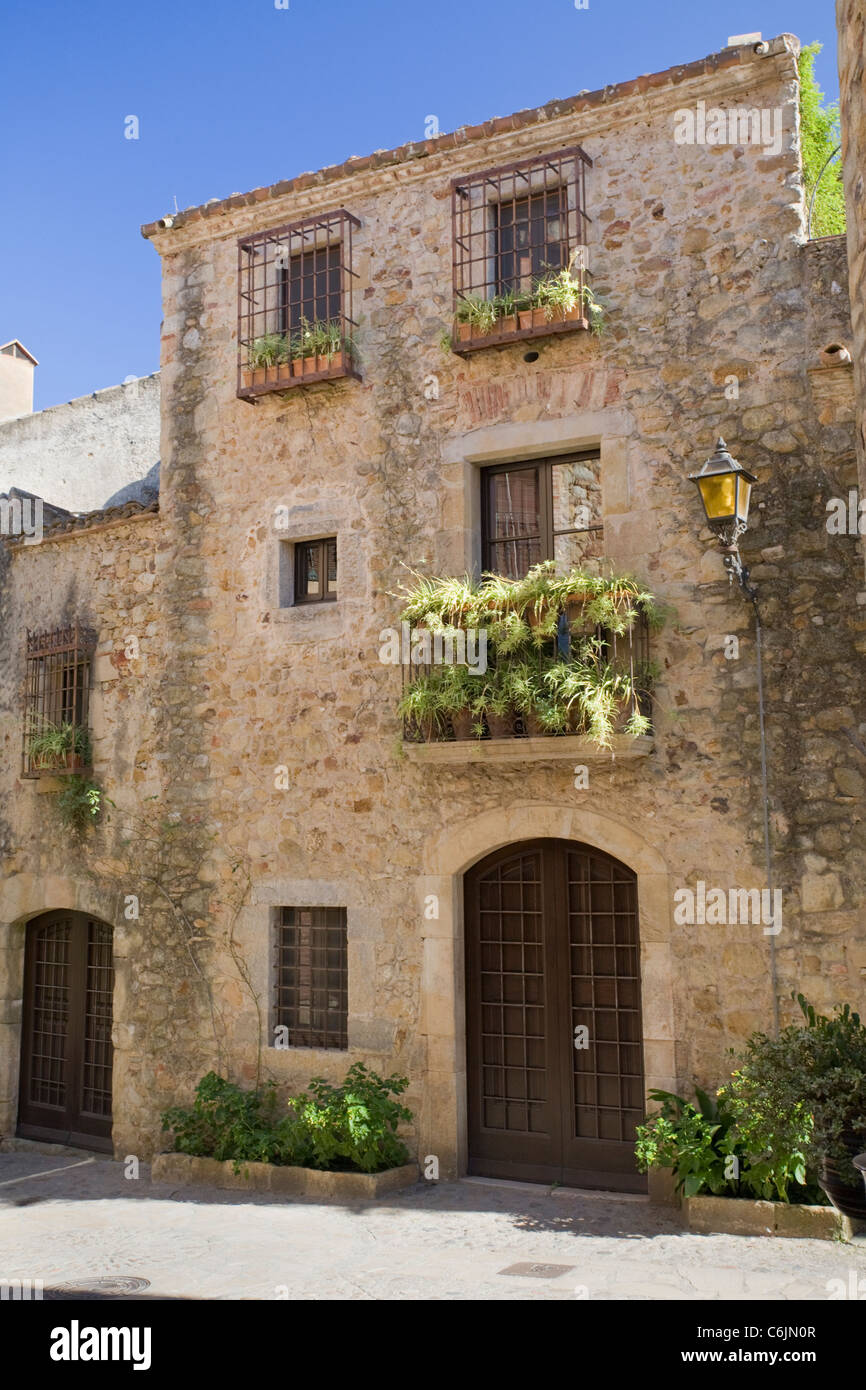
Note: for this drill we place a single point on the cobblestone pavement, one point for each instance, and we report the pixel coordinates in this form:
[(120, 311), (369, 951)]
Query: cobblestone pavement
[(448, 1241)]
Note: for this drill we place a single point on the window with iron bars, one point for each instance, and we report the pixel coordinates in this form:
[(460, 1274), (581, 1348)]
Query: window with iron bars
[(519, 250), (311, 976), (295, 321), (56, 699)]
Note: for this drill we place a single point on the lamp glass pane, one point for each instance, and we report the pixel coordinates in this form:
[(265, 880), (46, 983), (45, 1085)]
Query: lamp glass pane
[(744, 492), (718, 494)]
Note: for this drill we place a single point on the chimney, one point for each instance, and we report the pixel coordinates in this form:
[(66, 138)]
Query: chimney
[(16, 380)]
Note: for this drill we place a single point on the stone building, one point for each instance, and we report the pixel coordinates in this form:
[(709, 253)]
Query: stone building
[(276, 862)]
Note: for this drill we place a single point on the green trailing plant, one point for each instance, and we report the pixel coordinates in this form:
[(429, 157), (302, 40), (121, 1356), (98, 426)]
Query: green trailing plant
[(354, 1125), (525, 620), (80, 803), (483, 314), (819, 136), (805, 1089), (53, 743), (267, 351)]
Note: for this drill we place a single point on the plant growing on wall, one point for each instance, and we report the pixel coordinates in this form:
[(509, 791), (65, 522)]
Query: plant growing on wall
[(819, 136), (80, 803)]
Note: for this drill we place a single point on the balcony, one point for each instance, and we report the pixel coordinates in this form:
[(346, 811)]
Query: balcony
[(295, 323), (519, 238), (528, 670)]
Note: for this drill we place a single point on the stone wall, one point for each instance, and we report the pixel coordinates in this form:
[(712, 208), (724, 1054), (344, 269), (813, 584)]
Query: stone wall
[(80, 454), (851, 27), (717, 312)]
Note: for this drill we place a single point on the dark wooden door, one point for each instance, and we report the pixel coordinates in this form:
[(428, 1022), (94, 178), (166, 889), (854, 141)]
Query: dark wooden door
[(552, 948), (66, 1051)]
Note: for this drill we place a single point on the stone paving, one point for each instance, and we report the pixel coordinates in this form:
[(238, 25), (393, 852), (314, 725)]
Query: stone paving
[(449, 1241)]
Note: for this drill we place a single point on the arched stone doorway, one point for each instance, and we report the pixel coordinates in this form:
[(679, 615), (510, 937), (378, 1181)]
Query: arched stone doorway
[(65, 1092), (554, 1033)]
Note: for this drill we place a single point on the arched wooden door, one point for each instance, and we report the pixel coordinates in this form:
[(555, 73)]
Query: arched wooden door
[(552, 948), (66, 1051)]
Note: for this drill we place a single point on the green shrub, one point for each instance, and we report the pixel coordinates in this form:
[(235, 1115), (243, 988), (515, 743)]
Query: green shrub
[(709, 1151), (805, 1090), (352, 1126), (226, 1122)]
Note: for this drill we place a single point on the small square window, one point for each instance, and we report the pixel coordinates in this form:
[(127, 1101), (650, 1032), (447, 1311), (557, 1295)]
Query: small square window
[(311, 985), (316, 571)]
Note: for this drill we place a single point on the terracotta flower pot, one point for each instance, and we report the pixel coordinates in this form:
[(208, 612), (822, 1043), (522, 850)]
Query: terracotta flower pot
[(305, 366), (461, 723), (532, 318), (267, 376), (500, 725), (464, 332), (532, 724), (507, 324)]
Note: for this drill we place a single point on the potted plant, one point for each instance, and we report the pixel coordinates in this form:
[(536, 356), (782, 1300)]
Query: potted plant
[(812, 1081), (267, 360), (475, 316), (59, 748), (317, 344)]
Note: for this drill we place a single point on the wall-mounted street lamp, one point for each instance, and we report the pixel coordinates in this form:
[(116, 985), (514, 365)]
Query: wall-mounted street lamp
[(725, 489)]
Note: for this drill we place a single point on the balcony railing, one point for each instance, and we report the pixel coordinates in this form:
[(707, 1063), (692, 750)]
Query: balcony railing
[(519, 251), (295, 323)]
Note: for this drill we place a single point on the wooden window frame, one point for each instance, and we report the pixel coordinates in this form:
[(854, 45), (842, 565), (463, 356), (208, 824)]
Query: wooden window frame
[(301, 598), (547, 533), (307, 985)]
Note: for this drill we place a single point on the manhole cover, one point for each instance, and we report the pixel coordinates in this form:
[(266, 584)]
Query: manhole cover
[(538, 1271), (114, 1283)]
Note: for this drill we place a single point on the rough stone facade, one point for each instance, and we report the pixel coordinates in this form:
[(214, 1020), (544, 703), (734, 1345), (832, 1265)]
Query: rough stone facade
[(718, 311), (851, 29)]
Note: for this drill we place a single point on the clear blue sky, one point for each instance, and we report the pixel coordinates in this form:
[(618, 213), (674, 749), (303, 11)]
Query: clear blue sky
[(231, 94)]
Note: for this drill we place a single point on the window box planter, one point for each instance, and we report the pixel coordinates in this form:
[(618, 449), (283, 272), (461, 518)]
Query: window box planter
[(183, 1170), (738, 1216), (259, 378), (307, 366)]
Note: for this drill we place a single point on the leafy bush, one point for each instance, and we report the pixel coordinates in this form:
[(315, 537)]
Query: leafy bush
[(226, 1122), (695, 1141), (80, 803), (805, 1089), (352, 1126), (709, 1152)]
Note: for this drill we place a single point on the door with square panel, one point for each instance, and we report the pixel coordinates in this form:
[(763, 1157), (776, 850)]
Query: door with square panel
[(66, 1048), (554, 1036)]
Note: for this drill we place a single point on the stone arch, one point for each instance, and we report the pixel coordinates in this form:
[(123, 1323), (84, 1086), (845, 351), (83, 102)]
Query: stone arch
[(448, 856)]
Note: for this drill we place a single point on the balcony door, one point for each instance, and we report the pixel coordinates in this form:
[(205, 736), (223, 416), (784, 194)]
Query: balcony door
[(555, 1058)]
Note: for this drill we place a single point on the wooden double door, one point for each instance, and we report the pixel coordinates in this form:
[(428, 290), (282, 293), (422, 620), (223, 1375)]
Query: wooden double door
[(66, 1050), (554, 1036)]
